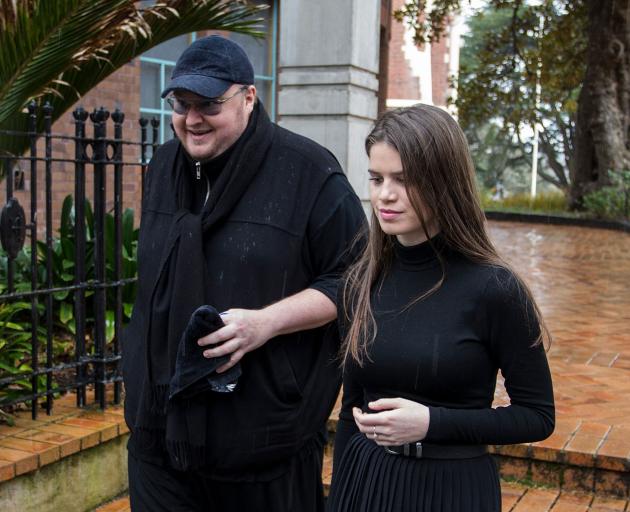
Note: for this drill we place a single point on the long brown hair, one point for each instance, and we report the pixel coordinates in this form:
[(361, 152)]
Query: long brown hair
[(438, 173)]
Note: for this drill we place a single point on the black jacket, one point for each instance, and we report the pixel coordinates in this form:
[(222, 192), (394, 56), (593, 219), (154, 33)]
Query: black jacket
[(291, 229)]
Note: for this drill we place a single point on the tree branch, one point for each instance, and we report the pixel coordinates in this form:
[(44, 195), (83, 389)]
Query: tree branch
[(551, 154), (551, 179)]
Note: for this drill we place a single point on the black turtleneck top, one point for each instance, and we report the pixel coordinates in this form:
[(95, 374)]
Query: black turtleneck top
[(445, 351)]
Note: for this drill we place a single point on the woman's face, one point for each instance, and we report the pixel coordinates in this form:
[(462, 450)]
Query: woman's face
[(389, 198)]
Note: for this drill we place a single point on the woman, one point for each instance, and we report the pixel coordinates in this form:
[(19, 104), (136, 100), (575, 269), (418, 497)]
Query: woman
[(429, 314)]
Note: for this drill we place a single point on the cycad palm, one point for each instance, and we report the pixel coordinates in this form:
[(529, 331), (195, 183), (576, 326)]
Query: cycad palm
[(57, 50)]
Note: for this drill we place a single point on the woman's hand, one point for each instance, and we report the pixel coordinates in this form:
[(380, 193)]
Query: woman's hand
[(399, 421)]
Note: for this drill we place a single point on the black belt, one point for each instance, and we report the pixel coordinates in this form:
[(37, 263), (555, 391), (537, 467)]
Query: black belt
[(438, 451)]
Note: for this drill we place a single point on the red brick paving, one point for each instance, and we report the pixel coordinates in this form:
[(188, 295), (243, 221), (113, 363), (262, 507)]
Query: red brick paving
[(515, 498), (519, 498), (580, 278), (29, 445)]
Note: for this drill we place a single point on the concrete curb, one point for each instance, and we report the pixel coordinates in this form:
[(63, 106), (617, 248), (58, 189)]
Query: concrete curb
[(558, 220)]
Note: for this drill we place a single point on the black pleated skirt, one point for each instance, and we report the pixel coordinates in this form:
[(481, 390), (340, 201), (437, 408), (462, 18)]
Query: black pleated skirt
[(371, 480)]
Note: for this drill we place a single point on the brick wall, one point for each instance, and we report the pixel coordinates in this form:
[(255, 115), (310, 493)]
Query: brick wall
[(401, 83), (440, 69)]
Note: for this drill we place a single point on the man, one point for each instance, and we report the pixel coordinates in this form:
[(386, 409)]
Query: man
[(256, 221)]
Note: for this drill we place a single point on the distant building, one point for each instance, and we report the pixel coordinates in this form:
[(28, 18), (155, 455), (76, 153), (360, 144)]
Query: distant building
[(421, 74)]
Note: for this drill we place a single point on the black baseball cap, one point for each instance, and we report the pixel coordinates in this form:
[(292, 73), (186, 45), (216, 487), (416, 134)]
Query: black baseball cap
[(209, 66)]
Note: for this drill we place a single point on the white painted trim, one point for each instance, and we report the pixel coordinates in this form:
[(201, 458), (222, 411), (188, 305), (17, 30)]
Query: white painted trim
[(399, 102)]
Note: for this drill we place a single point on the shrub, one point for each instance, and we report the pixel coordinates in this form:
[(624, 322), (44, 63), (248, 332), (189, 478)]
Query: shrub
[(62, 259), (15, 348), (15, 317), (612, 202)]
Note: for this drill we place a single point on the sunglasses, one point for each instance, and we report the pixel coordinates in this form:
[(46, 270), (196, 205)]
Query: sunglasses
[(210, 107)]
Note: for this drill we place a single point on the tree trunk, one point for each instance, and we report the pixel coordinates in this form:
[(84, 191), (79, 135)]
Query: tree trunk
[(602, 143)]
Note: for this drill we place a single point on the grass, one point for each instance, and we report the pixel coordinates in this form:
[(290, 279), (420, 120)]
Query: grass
[(553, 203)]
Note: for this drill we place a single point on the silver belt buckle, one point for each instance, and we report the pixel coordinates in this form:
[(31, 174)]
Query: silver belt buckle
[(406, 450)]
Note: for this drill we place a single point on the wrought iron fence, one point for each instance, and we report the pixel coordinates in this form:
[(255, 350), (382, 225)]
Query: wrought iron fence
[(61, 299)]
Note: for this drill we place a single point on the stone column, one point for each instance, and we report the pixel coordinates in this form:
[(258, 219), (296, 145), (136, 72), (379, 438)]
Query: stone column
[(328, 66)]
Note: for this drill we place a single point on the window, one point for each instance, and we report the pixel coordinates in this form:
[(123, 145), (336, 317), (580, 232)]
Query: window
[(157, 64)]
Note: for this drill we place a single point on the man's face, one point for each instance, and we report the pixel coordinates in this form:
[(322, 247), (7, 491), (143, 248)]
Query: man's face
[(207, 136)]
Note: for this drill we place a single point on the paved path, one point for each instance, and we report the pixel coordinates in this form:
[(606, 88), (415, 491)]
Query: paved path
[(581, 280)]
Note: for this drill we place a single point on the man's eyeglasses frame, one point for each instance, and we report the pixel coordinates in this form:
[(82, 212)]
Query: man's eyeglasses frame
[(209, 107)]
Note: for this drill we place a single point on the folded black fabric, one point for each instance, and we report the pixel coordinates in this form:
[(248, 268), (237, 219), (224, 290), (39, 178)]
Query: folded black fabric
[(194, 373)]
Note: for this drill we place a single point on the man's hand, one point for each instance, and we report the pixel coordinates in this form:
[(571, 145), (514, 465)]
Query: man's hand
[(244, 331), (400, 421), (247, 329)]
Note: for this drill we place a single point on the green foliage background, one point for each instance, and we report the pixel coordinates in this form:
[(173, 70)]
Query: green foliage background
[(15, 317)]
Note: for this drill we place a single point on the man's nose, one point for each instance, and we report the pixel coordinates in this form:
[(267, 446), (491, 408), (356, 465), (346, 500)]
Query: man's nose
[(193, 116)]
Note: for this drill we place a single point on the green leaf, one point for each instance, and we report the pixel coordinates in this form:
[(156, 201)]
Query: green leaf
[(8, 368), (127, 230), (67, 224), (72, 326), (42, 252), (110, 325), (11, 325), (60, 296), (89, 221), (66, 312), (67, 246), (57, 50)]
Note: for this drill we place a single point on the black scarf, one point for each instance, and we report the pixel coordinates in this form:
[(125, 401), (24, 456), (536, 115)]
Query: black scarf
[(180, 288)]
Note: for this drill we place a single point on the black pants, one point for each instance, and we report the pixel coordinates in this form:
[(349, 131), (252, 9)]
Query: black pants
[(154, 488)]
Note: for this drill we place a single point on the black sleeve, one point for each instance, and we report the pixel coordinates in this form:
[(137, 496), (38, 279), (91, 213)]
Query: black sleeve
[(511, 327), (334, 234)]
